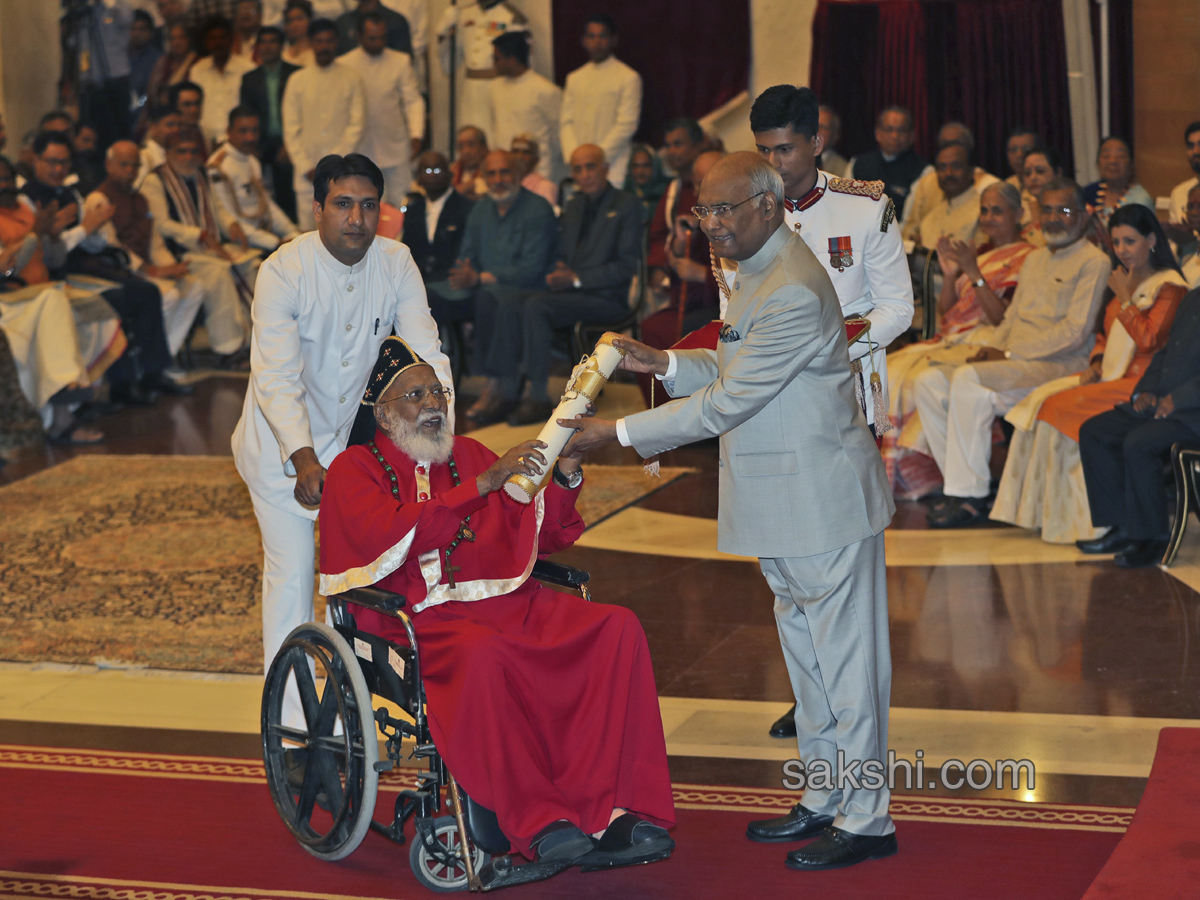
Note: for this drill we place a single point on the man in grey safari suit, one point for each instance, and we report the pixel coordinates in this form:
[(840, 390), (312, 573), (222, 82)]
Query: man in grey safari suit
[(802, 487)]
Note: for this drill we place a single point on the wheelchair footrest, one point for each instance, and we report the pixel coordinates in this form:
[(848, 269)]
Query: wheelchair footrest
[(502, 872)]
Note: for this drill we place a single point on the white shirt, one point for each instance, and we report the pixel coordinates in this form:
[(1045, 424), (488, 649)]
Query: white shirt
[(926, 193), (323, 112), (395, 109), (601, 105), (957, 218), (1178, 214), (433, 212), (237, 186), (318, 326), (528, 104), (221, 92), (152, 155)]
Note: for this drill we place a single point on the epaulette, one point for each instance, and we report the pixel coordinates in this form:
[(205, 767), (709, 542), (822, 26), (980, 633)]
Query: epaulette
[(872, 189)]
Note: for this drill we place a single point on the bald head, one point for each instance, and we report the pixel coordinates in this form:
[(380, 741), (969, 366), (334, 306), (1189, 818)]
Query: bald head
[(743, 196), (500, 173), (122, 163), (589, 169)]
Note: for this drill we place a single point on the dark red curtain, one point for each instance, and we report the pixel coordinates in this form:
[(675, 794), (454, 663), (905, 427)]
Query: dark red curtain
[(693, 55), (992, 64)]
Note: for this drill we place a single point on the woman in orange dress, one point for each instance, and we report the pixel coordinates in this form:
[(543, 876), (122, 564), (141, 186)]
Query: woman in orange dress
[(1042, 486)]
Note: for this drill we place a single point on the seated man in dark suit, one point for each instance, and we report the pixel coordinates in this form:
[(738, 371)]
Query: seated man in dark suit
[(600, 239), (1123, 450), (262, 91), (435, 221)]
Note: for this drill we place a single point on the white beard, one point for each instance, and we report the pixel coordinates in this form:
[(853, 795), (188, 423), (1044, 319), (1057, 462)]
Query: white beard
[(414, 440)]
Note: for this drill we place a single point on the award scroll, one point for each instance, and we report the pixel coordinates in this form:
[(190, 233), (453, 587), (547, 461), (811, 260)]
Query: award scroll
[(584, 386)]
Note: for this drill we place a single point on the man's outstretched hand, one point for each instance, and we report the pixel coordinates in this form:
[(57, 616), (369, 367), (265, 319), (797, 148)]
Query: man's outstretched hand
[(590, 434), (640, 357), (523, 459)]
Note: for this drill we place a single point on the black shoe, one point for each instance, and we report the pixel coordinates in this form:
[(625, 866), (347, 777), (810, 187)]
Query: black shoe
[(795, 826), (1141, 553), (531, 412), (561, 841), (836, 849), (628, 841), (496, 411), (167, 387), (959, 512), (785, 725), (1112, 541), (131, 394)]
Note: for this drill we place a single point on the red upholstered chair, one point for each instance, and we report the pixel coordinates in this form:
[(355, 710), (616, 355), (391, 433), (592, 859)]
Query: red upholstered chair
[(391, 222)]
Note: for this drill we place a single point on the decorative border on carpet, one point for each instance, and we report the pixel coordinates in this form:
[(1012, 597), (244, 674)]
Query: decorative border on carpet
[(1062, 816), (34, 884)]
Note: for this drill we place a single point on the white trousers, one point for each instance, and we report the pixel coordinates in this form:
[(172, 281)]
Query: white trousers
[(45, 348), (289, 556), (831, 611), (181, 301), (225, 317), (396, 182)]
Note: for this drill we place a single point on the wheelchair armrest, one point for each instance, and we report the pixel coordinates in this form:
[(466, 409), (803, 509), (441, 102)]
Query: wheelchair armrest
[(557, 573), (375, 598)]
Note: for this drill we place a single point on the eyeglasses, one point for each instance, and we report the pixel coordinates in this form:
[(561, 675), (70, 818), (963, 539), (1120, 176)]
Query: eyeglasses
[(432, 170), (1065, 211), (724, 211), (416, 395)]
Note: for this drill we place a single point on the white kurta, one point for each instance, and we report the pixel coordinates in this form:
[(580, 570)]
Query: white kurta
[(395, 109), (601, 105), (221, 93), (40, 328), (476, 29), (1178, 212), (957, 218), (528, 104), (237, 185), (417, 14), (151, 156), (926, 194)]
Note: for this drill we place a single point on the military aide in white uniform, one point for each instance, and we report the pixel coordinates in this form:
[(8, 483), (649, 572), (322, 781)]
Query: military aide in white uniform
[(319, 321), (849, 225), (476, 26), (236, 178)]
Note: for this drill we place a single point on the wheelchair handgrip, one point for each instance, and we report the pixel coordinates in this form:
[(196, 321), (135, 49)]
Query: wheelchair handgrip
[(376, 598), (556, 573)]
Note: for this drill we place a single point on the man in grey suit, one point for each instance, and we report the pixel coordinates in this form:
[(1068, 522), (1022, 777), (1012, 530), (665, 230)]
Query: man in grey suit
[(802, 487)]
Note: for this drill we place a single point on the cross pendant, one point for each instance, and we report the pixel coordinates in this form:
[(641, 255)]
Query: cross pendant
[(450, 570)]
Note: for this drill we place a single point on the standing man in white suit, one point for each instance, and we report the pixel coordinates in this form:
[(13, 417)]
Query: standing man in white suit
[(323, 305), (802, 487)]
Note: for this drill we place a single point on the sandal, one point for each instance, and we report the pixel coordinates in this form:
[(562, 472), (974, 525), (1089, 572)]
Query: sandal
[(628, 841)]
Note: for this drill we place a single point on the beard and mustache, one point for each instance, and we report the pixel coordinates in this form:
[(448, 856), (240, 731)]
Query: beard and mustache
[(413, 438)]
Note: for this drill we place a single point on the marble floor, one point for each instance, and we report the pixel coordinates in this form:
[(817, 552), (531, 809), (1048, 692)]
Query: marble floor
[(1003, 647)]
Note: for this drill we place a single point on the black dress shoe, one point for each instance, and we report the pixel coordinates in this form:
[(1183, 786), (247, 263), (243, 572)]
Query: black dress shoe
[(132, 394), (1112, 541), (795, 826), (785, 725), (836, 849), (496, 411), (531, 412), (1141, 553)]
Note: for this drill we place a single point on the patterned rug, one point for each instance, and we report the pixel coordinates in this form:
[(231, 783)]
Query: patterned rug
[(156, 560)]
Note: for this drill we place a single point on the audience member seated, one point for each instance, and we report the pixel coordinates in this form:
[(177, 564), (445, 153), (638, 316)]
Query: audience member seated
[(1179, 193), (523, 101), (645, 179), (591, 759), (1116, 187), (394, 110), (435, 221), (219, 75), (195, 229), (830, 128), (893, 161), (526, 153), (511, 235), (1042, 165), (1047, 332), (927, 193), (172, 67), (324, 112), (163, 122), (236, 178), (1123, 450), (1021, 140), (398, 35), (87, 158), (297, 17), (187, 98), (1043, 486), (247, 20), (602, 99), (262, 91), (600, 242), (977, 288), (73, 241), (1189, 240), (466, 171), (955, 214)]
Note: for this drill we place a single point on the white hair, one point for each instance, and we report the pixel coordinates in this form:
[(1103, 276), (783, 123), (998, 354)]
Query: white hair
[(765, 180)]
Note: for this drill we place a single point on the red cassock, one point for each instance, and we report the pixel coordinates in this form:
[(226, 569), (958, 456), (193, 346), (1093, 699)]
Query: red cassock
[(542, 704)]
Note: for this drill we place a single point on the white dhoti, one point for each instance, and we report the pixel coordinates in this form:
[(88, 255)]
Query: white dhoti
[(40, 327), (181, 301), (226, 317)]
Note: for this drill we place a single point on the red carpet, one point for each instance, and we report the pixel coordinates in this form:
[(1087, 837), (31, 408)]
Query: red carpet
[(1160, 855), (100, 825)]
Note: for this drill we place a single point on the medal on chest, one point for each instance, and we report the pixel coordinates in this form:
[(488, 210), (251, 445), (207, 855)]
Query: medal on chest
[(841, 254)]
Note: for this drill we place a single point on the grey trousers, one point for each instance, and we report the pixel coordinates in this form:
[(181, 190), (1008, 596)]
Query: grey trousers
[(831, 610)]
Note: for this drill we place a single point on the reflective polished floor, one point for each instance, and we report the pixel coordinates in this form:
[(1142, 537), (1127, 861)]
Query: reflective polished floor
[(1003, 647)]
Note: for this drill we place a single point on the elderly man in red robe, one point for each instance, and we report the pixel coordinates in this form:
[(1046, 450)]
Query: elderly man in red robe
[(542, 704)]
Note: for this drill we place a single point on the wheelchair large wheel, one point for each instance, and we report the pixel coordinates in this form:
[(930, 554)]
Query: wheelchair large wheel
[(440, 867), (322, 775)]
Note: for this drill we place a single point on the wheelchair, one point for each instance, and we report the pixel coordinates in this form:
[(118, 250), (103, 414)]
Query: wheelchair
[(324, 777)]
